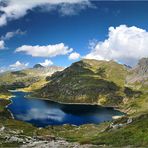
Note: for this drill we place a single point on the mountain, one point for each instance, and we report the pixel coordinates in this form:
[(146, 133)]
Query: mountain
[(26, 78), (38, 66), (127, 66), (88, 81), (138, 76), (4, 93)]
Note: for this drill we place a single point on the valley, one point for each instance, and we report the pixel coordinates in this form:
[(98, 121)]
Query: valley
[(93, 82)]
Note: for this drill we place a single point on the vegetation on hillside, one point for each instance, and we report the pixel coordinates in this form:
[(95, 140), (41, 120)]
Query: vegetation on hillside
[(30, 79), (89, 81), (4, 93)]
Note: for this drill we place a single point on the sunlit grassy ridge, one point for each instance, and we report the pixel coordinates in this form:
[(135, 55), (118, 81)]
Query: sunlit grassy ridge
[(111, 70), (35, 86), (88, 81)]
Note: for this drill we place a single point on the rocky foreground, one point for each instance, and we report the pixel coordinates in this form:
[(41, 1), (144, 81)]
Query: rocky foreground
[(56, 144), (14, 137)]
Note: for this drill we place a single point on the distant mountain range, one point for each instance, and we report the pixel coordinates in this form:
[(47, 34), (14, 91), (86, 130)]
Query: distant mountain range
[(24, 78)]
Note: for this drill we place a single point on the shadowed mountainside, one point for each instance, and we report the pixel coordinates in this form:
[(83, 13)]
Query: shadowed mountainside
[(89, 81)]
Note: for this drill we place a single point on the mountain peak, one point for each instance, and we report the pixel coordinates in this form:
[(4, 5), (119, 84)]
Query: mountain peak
[(38, 66), (139, 73), (142, 66), (143, 62)]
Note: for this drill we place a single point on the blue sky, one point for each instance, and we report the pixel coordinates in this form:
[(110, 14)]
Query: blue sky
[(77, 26)]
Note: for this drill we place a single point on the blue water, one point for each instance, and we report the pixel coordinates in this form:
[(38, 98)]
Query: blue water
[(42, 113)]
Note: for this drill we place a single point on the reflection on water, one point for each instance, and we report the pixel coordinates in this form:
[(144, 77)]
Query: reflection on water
[(42, 112)]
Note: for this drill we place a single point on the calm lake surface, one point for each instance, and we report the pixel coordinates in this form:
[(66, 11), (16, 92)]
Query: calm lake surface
[(42, 112)]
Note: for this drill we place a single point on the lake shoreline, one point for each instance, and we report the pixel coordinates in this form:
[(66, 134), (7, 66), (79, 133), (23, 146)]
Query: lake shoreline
[(63, 103), (93, 104), (69, 108)]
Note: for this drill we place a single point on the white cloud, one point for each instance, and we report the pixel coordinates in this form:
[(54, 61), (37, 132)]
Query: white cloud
[(45, 51), (14, 9), (124, 44), (2, 70), (11, 34), (42, 114), (2, 44), (18, 65), (74, 56), (92, 43), (69, 9), (47, 63)]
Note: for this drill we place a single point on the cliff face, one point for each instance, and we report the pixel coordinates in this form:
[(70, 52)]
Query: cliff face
[(138, 76), (143, 65)]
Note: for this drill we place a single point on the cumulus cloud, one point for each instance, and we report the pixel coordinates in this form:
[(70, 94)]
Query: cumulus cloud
[(45, 51), (124, 44), (47, 63), (18, 65), (11, 34), (14, 9), (74, 56), (2, 69), (2, 44)]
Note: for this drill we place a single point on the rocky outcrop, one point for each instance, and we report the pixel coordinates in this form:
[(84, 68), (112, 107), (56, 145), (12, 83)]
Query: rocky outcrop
[(139, 74), (59, 143), (10, 137), (142, 67)]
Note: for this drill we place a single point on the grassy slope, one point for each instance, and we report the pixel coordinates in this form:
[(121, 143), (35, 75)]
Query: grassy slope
[(4, 93), (12, 80), (27, 76), (30, 79), (87, 81), (134, 134), (35, 86)]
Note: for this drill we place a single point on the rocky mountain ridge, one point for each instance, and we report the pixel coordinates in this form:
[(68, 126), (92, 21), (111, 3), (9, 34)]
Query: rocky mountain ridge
[(138, 75)]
